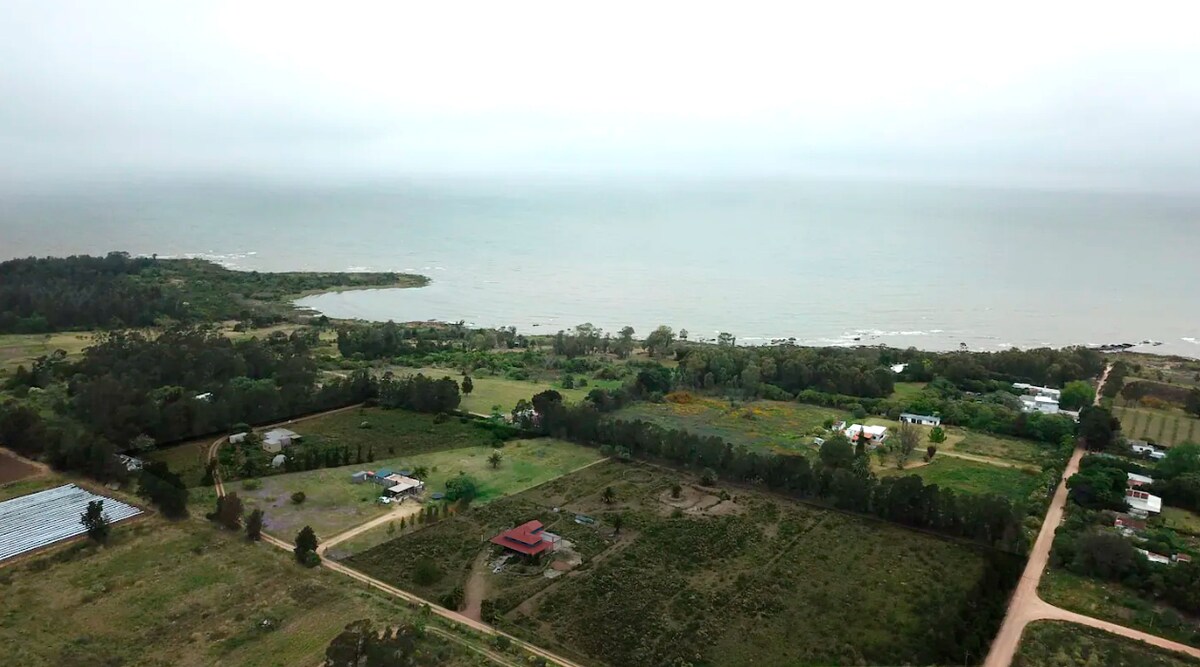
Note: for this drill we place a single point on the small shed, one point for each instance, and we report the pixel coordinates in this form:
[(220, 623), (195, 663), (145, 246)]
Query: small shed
[(923, 420), (237, 438), (277, 438), (359, 477), (278, 461)]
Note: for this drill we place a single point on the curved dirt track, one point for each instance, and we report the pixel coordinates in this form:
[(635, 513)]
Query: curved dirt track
[(1026, 607)]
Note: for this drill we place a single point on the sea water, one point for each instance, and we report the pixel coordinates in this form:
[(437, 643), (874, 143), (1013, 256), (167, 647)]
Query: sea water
[(841, 263)]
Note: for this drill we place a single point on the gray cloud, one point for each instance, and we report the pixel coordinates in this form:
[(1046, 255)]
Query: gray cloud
[(1077, 94)]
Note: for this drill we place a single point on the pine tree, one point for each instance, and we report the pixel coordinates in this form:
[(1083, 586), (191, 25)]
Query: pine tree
[(254, 524), (95, 523)]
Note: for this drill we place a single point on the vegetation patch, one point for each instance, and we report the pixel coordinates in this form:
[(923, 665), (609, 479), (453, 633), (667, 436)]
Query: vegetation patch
[(1164, 427), (1111, 601), (774, 583), (390, 433), (1060, 644), (759, 425), (189, 460), (182, 594), (973, 477)]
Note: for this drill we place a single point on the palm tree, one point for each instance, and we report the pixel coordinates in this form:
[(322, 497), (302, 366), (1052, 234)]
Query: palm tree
[(609, 495), (494, 458)]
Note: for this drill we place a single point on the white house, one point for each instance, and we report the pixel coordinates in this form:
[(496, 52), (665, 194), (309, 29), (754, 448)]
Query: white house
[(1034, 390), (1143, 502), (1135, 480), (923, 420), (1042, 404), (237, 438), (875, 434), (206, 396), (1143, 448)]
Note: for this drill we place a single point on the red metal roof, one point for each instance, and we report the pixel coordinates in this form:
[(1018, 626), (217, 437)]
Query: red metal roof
[(525, 539)]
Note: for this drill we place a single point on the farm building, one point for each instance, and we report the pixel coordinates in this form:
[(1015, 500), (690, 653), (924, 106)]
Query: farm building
[(1155, 558), (359, 477), (1129, 526), (527, 539), (402, 485), (130, 463), (237, 438), (1142, 503), (278, 461), (922, 420), (1135, 480), (39, 519), (1042, 404), (277, 438)]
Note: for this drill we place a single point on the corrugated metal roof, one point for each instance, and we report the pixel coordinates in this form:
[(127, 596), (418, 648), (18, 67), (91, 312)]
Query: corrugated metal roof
[(38, 519)]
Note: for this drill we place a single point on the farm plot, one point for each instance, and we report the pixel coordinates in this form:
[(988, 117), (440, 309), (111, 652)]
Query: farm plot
[(390, 433), (723, 577), (996, 446), (1160, 426), (30, 522), (185, 594), (490, 391), (333, 504), (1059, 644)]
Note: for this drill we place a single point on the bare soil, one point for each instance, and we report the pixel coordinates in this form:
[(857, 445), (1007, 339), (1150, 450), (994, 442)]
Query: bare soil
[(13, 467)]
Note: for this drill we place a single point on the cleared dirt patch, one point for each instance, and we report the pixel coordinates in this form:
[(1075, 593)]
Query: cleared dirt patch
[(13, 468), (696, 501)]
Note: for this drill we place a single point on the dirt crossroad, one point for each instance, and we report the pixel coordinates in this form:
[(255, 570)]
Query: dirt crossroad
[(1026, 607)]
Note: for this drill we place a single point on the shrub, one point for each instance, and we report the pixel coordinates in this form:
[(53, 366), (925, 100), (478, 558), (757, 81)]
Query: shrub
[(310, 559), (252, 484), (708, 477), (676, 490), (427, 572), (298, 497)]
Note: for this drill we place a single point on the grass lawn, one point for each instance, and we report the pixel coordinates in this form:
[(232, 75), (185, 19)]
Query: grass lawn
[(750, 580), (333, 504), (29, 485), (1059, 644), (972, 477), (184, 594), (1161, 426), (907, 390), (762, 425), (188, 460), (1181, 520), (1113, 602)]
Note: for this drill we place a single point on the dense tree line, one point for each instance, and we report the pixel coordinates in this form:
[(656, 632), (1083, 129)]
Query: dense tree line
[(1082, 546), (38, 295), (390, 340), (992, 520), (419, 393), (974, 370), (787, 367), (131, 390)]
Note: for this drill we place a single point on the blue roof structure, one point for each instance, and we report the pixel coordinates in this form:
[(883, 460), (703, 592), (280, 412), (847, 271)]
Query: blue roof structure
[(383, 472)]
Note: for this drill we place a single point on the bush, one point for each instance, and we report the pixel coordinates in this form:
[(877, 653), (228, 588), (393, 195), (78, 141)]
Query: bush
[(298, 497), (708, 477), (252, 484), (310, 559), (426, 572)]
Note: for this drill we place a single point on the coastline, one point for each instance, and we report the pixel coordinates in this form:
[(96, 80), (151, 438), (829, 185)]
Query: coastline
[(933, 340)]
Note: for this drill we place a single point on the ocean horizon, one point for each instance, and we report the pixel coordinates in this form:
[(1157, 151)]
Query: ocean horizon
[(823, 263)]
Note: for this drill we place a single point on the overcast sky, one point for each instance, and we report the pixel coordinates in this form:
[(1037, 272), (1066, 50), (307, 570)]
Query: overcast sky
[(1089, 93)]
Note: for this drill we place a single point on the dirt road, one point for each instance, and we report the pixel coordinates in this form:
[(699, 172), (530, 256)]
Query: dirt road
[(404, 510), (477, 587), (1026, 607), (440, 611)]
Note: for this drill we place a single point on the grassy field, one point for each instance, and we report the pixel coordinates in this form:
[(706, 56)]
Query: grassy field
[(995, 446), (188, 460), (749, 580), (184, 594), (972, 477), (393, 433), (1181, 520), (907, 390), (1160, 426), (763, 425), (1113, 602), (18, 349), (29, 485), (491, 391), (1058, 644), (333, 504)]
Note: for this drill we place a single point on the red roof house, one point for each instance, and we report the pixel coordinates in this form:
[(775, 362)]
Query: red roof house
[(525, 539)]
